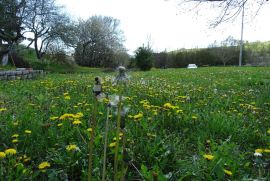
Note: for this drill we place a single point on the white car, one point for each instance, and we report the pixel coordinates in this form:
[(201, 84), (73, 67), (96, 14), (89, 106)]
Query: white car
[(192, 66)]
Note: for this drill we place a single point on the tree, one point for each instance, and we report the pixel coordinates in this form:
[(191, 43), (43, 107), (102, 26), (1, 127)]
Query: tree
[(97, 41), (228, 9), (227, 50), (42, 21), (12, 13), (144, 58)]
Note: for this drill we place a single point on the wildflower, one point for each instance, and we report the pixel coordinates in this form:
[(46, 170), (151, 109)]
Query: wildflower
[(228, 172), (27, 131), (65, 94), (257, 154), (26, 160), (72, 147), (112, 144), (15, 136), (60, 124), (3, 109), (97, 89), (77, 115), (77, 122), (67, 97), (114, 100), (10, 151), (266, 151), (15, 141), (2, 154), (53, 118), (15, 123), (194, 117), (258, 150), (138, 116), (208, 157), (64, 116), (168, 106), (90, 129), (122, 77), (44, 165), (179, 111)]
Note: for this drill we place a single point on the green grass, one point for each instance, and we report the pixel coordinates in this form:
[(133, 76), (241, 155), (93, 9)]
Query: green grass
[(222, 112)]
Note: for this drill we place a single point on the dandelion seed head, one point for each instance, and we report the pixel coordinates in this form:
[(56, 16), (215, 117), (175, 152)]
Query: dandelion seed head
[(256, 154), (122, 77)]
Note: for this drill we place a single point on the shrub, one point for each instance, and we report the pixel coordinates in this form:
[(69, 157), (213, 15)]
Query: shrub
[(144, 58)]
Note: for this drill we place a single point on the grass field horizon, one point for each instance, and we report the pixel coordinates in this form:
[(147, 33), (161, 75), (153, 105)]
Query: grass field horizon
[(208, 123)]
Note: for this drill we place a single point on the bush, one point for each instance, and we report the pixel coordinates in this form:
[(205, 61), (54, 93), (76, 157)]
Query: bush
[(144, 58)]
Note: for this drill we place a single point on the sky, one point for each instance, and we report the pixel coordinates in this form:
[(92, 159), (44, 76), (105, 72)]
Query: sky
[(166, 26)]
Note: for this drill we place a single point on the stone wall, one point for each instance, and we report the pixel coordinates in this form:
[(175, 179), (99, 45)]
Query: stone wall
[(20, 74)]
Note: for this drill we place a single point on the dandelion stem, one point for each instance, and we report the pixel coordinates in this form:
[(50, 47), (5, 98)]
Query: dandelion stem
[(81, 135), (123, 169), (91, 142), (105, 144), (117, 138)]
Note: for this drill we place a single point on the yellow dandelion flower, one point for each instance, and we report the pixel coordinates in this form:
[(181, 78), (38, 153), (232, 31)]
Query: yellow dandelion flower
[(15, 141), (71, 147), (3, 109), (90, 129), (208, 157), (179, 111), (112, 144), (168, 106), (53, 118), (15, 136), (2, 154), (77, 122), (10, 151), (66, 115), (228, 172), (44, 165), (259, 150), (67, 97), (80, 114), (27, 131), (138, 116), (15, 123), (26, 160)]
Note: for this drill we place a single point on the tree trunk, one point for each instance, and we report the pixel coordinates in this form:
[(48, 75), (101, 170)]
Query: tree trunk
[(36, 47)]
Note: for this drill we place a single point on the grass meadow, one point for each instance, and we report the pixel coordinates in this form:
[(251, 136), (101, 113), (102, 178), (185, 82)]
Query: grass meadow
[(180, 124)]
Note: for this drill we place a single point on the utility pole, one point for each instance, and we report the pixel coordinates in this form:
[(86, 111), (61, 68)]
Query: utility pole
[(242, 29)]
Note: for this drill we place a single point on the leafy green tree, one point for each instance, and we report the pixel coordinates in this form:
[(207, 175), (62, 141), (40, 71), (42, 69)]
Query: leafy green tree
[(144, 58)]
